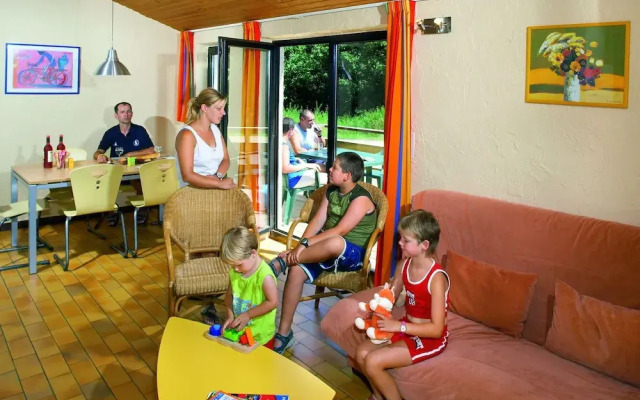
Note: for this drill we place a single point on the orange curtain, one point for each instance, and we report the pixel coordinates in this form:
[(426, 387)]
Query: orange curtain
[(397, 128), (248, 168), (185, 75)]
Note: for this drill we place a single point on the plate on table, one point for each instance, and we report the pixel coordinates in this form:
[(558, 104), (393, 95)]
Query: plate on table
[(142, 159)]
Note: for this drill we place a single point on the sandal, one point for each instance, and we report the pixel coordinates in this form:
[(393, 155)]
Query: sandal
[(285, 342), (278, 261)]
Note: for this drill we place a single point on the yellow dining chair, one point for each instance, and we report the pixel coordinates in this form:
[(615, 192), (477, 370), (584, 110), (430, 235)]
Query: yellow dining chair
[(65, 194), (95, 188), (195, 220), (341, 282), (17, 209), (159, 181)]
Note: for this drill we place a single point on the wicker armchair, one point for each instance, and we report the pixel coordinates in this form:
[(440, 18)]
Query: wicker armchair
[(339, 282), (195, 220)]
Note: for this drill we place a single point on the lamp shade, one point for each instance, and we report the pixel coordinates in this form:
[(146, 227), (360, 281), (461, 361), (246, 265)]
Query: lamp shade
[(112, 66)]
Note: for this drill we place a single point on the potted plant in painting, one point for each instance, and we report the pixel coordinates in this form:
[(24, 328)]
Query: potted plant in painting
[(572, 58)]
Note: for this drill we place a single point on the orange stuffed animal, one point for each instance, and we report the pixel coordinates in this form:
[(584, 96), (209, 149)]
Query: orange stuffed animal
[(381, 304)]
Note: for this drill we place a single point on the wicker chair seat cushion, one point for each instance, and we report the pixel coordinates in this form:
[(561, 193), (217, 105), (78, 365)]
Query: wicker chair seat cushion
[(201, 276), (351, 281)]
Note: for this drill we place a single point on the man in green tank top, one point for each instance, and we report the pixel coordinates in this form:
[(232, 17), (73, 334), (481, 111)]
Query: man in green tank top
[(333, 240)]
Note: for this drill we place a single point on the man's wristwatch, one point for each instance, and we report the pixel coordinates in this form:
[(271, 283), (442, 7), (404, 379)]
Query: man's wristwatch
[(219, 175), (304, 242), (403, 326)]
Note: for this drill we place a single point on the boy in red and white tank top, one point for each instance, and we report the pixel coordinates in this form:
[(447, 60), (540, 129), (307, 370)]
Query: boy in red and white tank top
[(422, 333)]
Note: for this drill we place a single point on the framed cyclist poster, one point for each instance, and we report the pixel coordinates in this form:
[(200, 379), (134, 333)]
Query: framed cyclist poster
[(41, 69)]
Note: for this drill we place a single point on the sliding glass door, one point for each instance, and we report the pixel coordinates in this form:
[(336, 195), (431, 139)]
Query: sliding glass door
[(340, 79), (247, 76)]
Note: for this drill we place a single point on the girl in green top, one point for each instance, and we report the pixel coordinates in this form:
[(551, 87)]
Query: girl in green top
[(252, 297)]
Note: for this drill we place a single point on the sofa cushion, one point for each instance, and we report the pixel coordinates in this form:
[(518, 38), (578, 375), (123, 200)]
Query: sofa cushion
[(595, 333), (494, 296), (599, 258)]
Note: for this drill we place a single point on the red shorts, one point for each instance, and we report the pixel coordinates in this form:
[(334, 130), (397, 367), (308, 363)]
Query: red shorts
[(422, 349)]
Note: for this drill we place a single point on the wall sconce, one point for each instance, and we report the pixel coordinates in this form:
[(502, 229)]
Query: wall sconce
[(435, 25)]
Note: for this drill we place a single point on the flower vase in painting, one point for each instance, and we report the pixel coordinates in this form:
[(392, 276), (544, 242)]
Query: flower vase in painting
[(572, 57)]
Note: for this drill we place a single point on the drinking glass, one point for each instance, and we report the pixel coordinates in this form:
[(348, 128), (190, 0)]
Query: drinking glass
[(119, 151), (157, 149)]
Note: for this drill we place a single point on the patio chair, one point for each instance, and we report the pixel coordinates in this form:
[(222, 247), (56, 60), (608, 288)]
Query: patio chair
[(159, 181), (195, 220), (375, 172), (289, 194), (95, 188), (14, 210), (340, 282)]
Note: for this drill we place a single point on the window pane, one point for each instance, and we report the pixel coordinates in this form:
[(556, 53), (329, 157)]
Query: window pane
[(247, 143), (306, 74), (361, 73)]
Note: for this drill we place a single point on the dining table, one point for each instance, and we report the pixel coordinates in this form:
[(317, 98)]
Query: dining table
[(370, 159), (37, 178)]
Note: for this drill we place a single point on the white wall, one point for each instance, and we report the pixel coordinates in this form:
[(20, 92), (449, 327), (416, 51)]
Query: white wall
[(478, 134), (148, 49), (470, 120)]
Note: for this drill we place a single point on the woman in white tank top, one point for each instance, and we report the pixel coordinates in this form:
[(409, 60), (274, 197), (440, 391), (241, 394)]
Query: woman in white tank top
[(200, 149)]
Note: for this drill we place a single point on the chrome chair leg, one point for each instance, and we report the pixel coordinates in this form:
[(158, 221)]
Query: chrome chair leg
[(25, 265), (93, 229), (64, 263), (44, 243), (160, 215), (123, 249), (134, 252), (16, 248)]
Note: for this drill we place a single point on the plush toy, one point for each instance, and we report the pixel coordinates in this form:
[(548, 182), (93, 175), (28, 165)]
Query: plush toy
[(381, 304)]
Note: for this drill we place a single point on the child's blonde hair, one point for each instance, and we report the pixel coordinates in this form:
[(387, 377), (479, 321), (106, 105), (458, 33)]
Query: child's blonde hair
[(237, 244), (423, 226)]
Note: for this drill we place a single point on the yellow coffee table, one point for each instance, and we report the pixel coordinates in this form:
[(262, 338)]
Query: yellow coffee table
[(190, 366)]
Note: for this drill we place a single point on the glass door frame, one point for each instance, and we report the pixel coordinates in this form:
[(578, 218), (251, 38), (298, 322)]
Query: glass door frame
[(224, 45), (333, 42)]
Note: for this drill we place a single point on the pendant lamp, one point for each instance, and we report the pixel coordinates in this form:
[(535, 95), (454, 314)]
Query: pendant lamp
[(112, 66)]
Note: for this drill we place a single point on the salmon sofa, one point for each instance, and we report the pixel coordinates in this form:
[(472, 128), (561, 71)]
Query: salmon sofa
[(544, 305)]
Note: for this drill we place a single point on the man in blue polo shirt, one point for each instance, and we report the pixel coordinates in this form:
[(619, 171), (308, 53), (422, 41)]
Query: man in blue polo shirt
[(125, 140), (130, 139)]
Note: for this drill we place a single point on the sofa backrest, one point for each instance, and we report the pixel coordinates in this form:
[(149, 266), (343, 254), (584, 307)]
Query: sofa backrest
[(598, 258)]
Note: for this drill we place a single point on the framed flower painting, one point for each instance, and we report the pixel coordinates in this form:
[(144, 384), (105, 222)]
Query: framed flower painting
[(579, 64)]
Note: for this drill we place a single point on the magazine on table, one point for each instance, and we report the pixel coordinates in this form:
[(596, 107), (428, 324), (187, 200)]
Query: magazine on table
[(219, 395)]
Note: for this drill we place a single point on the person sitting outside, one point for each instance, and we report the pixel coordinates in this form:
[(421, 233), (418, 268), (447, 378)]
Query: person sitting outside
[(333, 241), (125, 140), (200, 148), (307, 136), (299, 173)]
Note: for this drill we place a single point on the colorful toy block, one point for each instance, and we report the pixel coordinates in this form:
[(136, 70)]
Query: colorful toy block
[(249, 336)]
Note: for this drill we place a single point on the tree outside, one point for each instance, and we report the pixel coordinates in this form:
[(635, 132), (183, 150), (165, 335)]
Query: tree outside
[(361, 74)]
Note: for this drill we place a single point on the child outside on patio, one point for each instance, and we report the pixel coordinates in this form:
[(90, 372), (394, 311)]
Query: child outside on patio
[(252, 297), (333, 241), (422, 333)]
